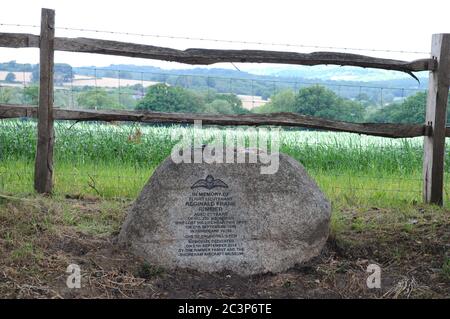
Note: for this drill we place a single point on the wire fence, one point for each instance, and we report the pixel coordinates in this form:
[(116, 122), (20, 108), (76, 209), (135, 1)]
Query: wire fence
[(115, 160), (122, 89), (191, 39)]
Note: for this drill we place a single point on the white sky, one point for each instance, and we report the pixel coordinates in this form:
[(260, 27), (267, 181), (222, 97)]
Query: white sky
[(380, 24)]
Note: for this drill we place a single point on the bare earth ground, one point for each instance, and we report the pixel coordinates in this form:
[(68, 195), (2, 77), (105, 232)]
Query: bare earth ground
[(40, 237)]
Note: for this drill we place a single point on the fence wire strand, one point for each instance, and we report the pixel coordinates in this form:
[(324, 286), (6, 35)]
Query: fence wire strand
[(215, 40), (79, 178)]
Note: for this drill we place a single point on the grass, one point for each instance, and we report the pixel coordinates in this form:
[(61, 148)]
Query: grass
[(125, 181), (40, 236), (446, 268), (374, 185), (116, 160)]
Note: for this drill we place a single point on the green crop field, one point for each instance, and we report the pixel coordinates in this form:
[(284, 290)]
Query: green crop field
[(110, 160)]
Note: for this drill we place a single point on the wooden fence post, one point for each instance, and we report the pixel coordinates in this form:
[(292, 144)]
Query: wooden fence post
[(43, 173), (436, 114)]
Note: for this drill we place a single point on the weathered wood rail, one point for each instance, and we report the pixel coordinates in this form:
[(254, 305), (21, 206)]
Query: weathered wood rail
[(275, 119), (434, 130), (211, 56)]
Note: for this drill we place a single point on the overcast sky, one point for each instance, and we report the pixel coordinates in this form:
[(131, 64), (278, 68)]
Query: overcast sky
[(380, 24)]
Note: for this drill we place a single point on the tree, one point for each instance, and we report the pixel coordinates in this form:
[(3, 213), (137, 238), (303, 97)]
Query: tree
[(138, 87), (210, 82), (62, 73), (5, 95), (164, 98), (364, 99), (219, 107), (31, 94), (234, 103), (315, 101), (282, 101), (10, 77), (127, 97), (321, 102), (411, 110), (97, 99)]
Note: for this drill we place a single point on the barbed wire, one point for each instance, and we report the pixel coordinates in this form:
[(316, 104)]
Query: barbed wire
[(19, 25), (207, 39), (352, 187)]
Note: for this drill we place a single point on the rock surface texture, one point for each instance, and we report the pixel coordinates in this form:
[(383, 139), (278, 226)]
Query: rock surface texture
[(215, 217)]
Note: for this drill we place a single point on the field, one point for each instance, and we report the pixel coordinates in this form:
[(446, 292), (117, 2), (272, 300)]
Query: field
[(374, 185), (82, 80), (110, 160)]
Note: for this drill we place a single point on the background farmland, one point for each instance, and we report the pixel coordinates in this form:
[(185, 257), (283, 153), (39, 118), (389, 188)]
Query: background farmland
[(115, 160)]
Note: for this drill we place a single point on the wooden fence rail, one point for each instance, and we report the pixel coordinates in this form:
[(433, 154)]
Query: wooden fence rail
[(278, 119), (210, 56), (434, 130)]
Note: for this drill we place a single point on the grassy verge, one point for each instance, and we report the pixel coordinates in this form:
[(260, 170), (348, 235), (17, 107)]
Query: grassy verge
[(374, 185), (114, 161), (117, 180), (40, 237)]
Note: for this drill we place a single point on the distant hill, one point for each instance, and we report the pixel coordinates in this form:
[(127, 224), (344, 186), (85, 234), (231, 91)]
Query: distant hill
[(348, 82), (311, 74), (334, 73)]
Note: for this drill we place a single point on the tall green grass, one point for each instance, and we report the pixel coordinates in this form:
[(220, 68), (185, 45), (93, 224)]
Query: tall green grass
[(116, 160)]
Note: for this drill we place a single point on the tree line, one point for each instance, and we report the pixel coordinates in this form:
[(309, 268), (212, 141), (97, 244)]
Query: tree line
[(315, 100), (225, 81), (321, 102), (210, 94)]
